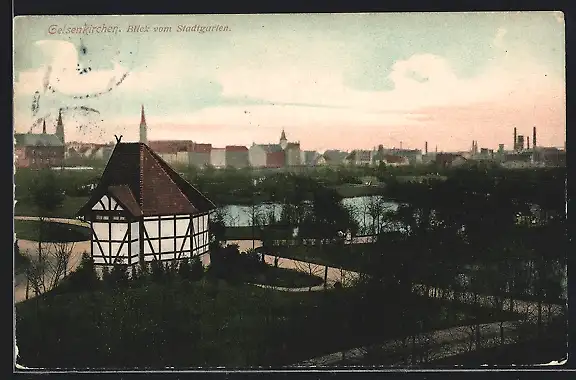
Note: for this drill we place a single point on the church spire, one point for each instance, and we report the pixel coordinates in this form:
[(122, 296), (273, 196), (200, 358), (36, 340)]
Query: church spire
[(44, 126), (143, 117), (143, 128), (283, 140), (60, 127)]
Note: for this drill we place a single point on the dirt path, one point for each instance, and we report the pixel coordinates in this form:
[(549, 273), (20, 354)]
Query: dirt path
[(30, 248)]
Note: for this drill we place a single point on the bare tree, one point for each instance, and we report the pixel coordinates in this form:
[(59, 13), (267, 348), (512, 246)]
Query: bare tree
[(309, 268), (58, 262), (48, 266)]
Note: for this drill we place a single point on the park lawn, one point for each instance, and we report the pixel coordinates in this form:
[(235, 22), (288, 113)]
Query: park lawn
[(282, 277), (206, 323), (53, 232), (68, 209)]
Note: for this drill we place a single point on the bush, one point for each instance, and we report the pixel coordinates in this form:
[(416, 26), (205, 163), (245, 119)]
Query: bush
[(184, 269), (157, 271), (119, 275), (197, 270)]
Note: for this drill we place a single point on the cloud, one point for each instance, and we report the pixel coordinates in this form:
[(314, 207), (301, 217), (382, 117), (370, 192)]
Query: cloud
[(61, 71)]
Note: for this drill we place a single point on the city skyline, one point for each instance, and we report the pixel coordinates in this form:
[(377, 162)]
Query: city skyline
[(346, 81)]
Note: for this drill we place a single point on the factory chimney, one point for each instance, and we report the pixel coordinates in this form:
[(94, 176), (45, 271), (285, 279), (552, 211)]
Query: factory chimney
[(515, 146), (426, 147), (534, 137), (527, 142)]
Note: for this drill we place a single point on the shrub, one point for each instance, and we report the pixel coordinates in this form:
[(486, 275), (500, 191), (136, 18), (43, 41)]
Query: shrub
[(196, 270), (184, 269)]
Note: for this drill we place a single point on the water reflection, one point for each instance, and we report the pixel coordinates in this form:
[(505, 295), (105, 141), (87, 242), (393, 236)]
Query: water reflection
[(368, 212)]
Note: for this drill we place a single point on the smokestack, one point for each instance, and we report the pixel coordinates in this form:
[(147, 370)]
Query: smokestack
[(527, 142), (534, 137), (515, 146), (426, 147)]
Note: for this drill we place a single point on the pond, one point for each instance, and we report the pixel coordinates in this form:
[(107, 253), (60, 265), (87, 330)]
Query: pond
[(241, 215)]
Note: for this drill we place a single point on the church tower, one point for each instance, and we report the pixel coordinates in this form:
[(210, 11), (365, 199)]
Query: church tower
[(60, 127), (143, 128), (283, 140)]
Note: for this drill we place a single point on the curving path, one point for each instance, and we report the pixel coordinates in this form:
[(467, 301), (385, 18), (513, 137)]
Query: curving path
[(57, 220), (30, 248), (447, 342)]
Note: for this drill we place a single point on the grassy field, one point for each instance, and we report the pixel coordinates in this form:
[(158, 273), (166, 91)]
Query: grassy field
[(52, 232), (206, 323), (69, 207)]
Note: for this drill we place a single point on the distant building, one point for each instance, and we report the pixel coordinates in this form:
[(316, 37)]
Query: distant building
[(449, 159), (200, 155), (334, 157), (276, 155), (174, 152), (236, 156), (218, 157), (292, 152), (309, 157), (78, 153), (394, 160), (518, 160), (550, 156), (414, 156), (267, 155), (360, 157), (40, 150)]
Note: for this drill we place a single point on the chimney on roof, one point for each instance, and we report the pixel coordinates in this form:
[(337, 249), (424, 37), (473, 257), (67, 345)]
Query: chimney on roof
[(143, 128)]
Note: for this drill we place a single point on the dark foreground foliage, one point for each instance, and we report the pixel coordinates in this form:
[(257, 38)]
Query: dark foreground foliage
[(210, 323)]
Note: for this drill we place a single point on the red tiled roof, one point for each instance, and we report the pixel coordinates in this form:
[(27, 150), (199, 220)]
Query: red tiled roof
[(123, 195), (202, 148), (135, 172), (171, 146), (236, 148)]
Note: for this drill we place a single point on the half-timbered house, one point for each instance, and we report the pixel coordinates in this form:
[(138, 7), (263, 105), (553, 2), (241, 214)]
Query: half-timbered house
[(142, 211)]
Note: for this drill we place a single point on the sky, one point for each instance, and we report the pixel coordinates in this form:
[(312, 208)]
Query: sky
[(331, 81)]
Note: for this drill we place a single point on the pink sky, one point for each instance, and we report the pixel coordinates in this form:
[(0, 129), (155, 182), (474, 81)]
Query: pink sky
[(255, 83)]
